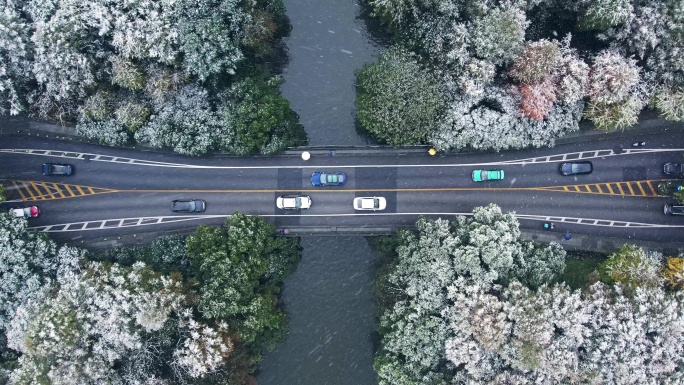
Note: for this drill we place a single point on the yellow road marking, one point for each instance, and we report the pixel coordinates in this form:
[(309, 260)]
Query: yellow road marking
[(59, 190), (641, 188), (21, 194), (46, 188), (64, 190), (69, 190), (28, 190)]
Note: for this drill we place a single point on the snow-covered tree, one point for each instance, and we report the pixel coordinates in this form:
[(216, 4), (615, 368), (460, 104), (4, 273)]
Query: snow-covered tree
[(186, 123), (536, 62), (574, 79), (105, 317), (209, 35), (499, 35), (29, 262), (432, 265), (126, 74), (110, 131), (613, 78), (632, 267), (536, 100), (603, 14), (491, 122), (15, 50), (616, 91), (670, 103)]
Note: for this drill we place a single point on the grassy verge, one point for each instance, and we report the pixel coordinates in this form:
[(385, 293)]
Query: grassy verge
[(579, 268)]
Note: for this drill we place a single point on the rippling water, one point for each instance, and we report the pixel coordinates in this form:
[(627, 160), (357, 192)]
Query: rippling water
[(328, 42), (330, 303), (329, 298)]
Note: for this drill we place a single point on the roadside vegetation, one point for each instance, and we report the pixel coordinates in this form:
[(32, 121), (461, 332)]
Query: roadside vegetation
[(200, 309), (185, 75), (511, 74), (467, 301)]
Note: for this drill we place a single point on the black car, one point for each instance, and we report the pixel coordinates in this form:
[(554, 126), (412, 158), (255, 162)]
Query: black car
[(574, 168), (670, 209), (675, 169), (57, 169), (188, 206)]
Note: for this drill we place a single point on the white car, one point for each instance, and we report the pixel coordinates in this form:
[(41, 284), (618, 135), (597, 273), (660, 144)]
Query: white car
[(25, 212), (293, 202), (370, 203)]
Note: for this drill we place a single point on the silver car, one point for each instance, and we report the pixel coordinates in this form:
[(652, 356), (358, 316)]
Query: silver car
[(188, 206)]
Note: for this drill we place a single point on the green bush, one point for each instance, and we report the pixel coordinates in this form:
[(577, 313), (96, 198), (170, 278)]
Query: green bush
[(260, 117), (398, 102)]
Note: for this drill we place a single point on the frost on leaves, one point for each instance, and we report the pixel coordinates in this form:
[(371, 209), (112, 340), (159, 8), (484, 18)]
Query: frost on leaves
[(492, 303)]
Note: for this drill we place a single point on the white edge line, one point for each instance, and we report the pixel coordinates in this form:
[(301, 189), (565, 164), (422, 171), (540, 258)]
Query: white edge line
[(160, 220), (525, 161)]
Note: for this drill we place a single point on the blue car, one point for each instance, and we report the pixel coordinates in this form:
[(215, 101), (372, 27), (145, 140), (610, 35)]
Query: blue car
[(328, 179)]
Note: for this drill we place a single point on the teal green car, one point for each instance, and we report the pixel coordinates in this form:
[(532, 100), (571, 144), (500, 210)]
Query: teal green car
[(485, 175)]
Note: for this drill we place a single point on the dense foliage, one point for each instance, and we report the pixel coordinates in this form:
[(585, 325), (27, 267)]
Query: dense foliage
[(467, 301), (239, 269), (395, 89), (514, 74), (150, 71), (143, 315)]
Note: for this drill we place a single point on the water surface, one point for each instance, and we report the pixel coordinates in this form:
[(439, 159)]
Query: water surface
[(330, 303), (328, 42)]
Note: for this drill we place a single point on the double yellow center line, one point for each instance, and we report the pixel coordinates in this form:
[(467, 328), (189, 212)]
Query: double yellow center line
[(42, 191)]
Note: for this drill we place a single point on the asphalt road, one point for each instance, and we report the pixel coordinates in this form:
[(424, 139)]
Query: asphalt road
[(120, 191)]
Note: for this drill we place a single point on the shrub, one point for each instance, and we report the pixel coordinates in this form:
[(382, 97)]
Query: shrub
[(499, 35), (611, 116), (603, 14), (397, 100), (133, 115), (536, 99), (673, 272), (613, 78), (99, 106), (536, 62), (670, 103), (110, 132), (574, 79), (127, 74)]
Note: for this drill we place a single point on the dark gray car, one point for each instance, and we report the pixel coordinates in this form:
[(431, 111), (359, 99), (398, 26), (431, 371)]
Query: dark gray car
[(574, 168), (674, 169), (670, 209), (188, 206), (57, 169)]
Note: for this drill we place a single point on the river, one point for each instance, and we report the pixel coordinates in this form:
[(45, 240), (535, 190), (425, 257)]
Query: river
[(330, 297)]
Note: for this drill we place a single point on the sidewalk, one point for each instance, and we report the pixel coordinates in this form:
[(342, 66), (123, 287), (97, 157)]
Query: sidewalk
[(578, 242)]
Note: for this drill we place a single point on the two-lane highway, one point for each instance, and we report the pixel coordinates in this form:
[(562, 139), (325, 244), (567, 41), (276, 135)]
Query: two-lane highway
[(120, 191)]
